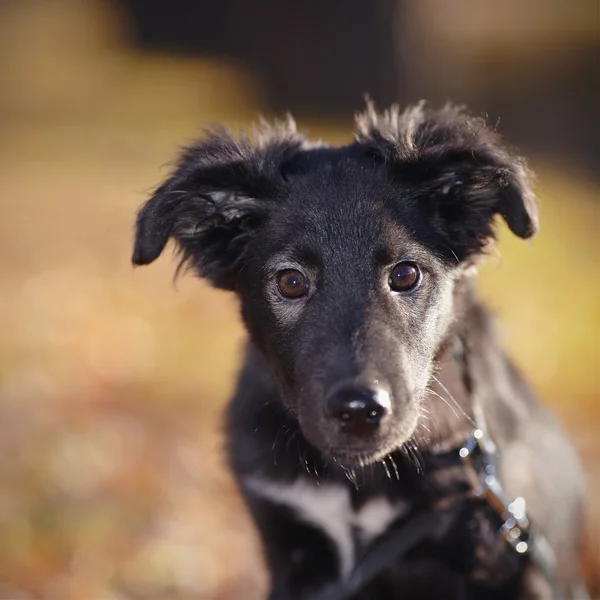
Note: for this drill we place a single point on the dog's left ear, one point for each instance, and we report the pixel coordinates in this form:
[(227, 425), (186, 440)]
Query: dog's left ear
[(463, 173), (216, 200)]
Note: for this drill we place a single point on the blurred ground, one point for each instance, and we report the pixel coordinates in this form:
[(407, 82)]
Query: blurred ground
[(112, 381)]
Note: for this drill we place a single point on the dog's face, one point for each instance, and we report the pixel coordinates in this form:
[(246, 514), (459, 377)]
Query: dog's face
[(345, 259), (349, 303)]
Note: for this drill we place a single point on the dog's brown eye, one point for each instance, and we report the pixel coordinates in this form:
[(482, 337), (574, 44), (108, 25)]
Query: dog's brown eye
[(291, 283), (405, 276)]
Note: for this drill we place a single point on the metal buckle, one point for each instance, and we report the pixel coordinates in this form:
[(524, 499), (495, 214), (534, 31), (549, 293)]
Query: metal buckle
[(479, 452)]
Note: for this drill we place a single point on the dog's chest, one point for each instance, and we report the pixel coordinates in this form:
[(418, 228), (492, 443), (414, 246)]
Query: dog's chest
[(328, 507)]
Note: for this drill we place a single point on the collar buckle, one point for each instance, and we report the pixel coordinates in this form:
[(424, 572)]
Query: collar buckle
[(480, 453)]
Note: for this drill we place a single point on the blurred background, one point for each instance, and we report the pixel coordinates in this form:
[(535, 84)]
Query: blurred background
[(113, 381)]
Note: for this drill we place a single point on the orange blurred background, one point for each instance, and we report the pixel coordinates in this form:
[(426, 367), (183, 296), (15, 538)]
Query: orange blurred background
[(113, 381)]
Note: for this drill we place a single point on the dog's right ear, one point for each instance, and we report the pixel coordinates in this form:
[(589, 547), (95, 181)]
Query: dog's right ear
[(215, 201)]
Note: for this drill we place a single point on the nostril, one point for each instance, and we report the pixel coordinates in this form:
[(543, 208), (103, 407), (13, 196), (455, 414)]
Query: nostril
[(374, 415)]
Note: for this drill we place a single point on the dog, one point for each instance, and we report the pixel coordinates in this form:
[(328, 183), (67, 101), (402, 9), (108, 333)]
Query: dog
[(371, 360)]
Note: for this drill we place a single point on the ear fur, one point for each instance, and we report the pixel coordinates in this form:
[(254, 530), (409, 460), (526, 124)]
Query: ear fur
[(215, 199), (464, 172)]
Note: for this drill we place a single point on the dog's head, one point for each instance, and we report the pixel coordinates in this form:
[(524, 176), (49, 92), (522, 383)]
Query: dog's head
[(345, 259)]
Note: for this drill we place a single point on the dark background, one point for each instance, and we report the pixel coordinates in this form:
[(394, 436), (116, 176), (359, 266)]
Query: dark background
[(534, 64)]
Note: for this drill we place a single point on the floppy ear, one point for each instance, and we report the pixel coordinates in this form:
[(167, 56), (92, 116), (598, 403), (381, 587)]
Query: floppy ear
[(215, 201), (464, 175)]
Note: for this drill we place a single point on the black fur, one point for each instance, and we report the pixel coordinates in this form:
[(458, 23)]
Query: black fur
[(417, 185)]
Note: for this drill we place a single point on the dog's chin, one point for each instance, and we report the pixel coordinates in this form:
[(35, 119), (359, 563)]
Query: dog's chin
[(363, 452), (349, 457), (356, 451), (346, 453)]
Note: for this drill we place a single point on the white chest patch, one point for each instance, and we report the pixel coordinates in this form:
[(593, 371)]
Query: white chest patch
[(328, 507)]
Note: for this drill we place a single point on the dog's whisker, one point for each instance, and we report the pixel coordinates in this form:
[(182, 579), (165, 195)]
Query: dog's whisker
[(387, 472), (347, 475), (413, 442), (452, 407), (410, 456), (426, 439), (405, 452), (273, 447), (305, 462), (395, 467), (431, 418), (434, 393), (418, 461), (362, 463), (315, 470), (276, 439), (409, 452), (453, 254), (290, 439), (425, 418), (351, 475), (458, 406)]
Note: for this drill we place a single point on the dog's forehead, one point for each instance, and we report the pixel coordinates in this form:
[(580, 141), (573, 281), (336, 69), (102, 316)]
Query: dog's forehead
[(341, 206), (341, 178)]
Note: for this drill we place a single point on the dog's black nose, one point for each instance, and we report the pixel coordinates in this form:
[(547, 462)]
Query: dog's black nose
[(358, 410)]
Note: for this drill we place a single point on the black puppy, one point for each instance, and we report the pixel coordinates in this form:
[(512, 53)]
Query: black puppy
[(371, 359)]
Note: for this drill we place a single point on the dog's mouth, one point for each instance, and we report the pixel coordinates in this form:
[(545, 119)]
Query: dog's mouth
[(354, 452), (359, 442)]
